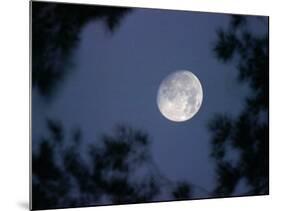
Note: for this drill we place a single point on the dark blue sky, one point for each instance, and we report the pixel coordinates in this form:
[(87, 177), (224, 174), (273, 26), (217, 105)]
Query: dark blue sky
[(115, 80)]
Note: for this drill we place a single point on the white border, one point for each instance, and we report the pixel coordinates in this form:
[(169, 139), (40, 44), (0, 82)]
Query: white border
[(14, 98)]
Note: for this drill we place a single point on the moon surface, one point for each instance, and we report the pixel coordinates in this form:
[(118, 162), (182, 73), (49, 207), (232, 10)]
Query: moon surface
[(180, 96)]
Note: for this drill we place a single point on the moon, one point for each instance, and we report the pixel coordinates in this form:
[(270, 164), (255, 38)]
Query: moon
[(180, 96)]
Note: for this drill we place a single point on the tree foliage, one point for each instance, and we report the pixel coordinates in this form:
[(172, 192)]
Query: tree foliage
[(56, 31), (117, 169), (248, 134)]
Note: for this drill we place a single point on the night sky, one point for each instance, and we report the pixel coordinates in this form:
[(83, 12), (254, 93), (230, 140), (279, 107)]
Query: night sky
[(115, 77)]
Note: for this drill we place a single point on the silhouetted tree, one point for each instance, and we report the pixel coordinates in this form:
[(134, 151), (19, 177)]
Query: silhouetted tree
[(246, 136), (182, 191), (56, 31), (117, 169)]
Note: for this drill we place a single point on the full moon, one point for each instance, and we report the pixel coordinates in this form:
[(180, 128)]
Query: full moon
[(180, 96)]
